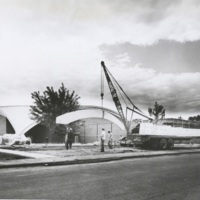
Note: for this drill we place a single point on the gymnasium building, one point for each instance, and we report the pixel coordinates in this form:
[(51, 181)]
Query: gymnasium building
[(91, 120)]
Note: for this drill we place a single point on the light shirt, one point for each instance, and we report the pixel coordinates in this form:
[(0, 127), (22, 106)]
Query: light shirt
[(103, 135), (110, 136)]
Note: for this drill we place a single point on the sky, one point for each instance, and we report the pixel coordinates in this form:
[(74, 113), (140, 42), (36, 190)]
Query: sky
[(151, 47)]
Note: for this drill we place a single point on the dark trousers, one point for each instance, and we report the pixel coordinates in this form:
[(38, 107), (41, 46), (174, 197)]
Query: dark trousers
[(110, 144), (68, 144), (102, 145)]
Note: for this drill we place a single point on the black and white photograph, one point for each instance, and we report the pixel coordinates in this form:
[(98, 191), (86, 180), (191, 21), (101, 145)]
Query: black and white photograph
[(100, 99)]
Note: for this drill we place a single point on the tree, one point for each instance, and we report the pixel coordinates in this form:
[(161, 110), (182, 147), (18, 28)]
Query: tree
[(157, 111), (51, 104), (195, 118)]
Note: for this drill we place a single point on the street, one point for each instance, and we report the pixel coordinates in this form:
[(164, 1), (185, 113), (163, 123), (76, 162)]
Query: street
[(158, 178)]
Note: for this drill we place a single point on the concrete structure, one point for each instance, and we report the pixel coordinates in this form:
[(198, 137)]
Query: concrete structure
[(16, 120), (93, 119), (91, 128), (91, 112)]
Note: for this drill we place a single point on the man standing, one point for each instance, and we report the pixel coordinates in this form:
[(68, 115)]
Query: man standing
[(110, 137), (69, 139), (103, 138)]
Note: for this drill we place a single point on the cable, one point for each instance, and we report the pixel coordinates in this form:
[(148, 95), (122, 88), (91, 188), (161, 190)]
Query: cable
[(102, 91), (124, 92)]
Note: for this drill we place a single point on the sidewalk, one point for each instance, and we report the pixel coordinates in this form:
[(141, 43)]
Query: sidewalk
[(77, 156)]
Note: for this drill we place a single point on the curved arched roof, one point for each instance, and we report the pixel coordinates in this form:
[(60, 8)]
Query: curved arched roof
[(19, 118), (90, 112), (86, 107)]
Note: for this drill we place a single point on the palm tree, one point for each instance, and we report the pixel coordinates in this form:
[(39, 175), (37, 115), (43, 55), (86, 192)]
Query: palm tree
[(157, 111)]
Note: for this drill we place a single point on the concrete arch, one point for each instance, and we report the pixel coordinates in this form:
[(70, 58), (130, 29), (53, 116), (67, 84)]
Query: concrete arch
[(18, 117), (87, 107), (2, 113), (92, 112)]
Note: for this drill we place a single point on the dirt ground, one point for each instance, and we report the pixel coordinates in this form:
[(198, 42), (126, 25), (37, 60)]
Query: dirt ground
[(61, 151)]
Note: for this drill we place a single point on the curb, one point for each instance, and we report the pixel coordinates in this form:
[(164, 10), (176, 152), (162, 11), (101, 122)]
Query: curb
[(83, 160)]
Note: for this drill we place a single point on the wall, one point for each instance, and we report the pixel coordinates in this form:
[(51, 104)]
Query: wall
[(9, 127), (5, 126), (2, 125), (90, 130), (38, 134)]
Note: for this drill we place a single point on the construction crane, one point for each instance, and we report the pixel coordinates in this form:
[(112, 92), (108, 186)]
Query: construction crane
[(116, 90)]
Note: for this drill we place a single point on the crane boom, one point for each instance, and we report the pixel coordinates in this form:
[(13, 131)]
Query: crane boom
[(114, 94), (116, 100)]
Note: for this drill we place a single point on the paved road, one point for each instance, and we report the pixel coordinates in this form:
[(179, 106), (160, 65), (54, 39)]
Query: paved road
[(158, 178)]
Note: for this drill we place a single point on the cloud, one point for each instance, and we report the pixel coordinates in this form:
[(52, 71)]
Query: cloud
[(49, 42), (105, 21), (178, 93), (167, 72), (164, 56)]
